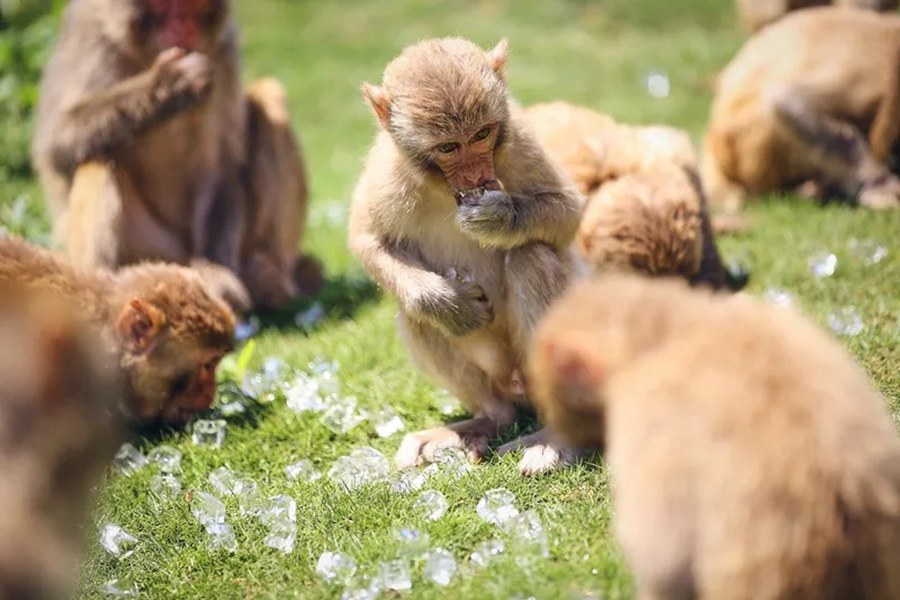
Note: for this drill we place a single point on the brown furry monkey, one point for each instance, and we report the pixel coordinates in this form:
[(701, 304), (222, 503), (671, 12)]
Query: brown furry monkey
[(58, 431), (755, 14), (159, 324), (792, 112), (148, 148), (750, 456), (461, 217)]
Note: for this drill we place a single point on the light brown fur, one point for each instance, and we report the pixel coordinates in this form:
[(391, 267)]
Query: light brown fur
[(750, 456), (756, 14), (154, 152), (471, 275), (790, 111), (57, 433), (157, 323)]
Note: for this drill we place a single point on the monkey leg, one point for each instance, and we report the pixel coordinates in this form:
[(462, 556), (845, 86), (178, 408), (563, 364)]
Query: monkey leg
[(837, 150), (543, 453), (535, 275), (434, 353)]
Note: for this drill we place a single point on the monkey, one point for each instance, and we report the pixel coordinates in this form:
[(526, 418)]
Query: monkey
[(157, 323), (750, 456), (790, 113), (148, 149), (58, 431), (756, 14), (460, 216), (646, 209)]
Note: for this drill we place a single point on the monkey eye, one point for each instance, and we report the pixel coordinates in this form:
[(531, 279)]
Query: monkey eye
[(448, 148), (482, 133), (180, 385)]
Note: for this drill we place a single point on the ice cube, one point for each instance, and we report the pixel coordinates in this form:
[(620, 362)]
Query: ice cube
[(207, 509), (117, 541), (452, 462), (250, 500), (413, 543), (497, 506), (128, 459), (440, 566), (869, 252), (361, 587), (221, 537), (303, 470), (167, 458), (304, 395), (235, 407), (165, 488), (208, 433), (121, 587), (409, 481), (273, 368), (282, 535), (312, 316), (373, 463), (394, 575), (431, 505), (261, 388), (778, 296), (225, 482), (445, 403), (527, 532), (347, 473), (846, 321), (342, 415), (486, 552), (658, 84), (823, 264), (335, 567), (279, 508), (386, 422)]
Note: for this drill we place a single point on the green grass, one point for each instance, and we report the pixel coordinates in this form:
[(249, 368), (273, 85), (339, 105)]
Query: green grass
[(592, 53)]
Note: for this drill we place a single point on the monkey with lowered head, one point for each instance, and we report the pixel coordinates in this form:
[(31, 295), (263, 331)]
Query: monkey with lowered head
[(750, 457), (792, 113), (148, 148), (58, 431), (462, 218), (755, 14), (646, 210), (158, 324)]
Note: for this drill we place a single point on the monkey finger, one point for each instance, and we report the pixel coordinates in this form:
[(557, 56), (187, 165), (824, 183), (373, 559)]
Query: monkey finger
[(168, 56)]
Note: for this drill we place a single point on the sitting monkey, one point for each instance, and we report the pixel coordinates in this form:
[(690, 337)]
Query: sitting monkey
[(463, 219), (749, 455), (148, 148), (791, 111), (755, 14), (646, 210)]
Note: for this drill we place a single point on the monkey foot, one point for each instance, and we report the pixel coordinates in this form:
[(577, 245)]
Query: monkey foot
[(541, 455), (470, 436)]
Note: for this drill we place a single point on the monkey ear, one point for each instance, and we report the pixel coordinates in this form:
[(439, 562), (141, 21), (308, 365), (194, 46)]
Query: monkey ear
[(497, 57), (137, 326), (380, 102)]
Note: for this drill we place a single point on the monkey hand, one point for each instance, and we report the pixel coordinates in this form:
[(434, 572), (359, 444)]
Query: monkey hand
[(182, 80), (459, 306), (484, 212)]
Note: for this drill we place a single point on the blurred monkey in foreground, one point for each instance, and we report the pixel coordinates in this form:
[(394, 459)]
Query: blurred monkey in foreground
[(755, 14)]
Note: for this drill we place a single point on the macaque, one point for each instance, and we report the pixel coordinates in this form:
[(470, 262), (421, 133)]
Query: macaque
[(749, 455), (462, 218), (646, 210), (148, 148), (755, 14), (792, 113), (157, 323), (58, 431)]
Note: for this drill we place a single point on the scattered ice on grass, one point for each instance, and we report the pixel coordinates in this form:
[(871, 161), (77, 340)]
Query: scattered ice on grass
[(409, 481), (167, 458), (361, 587), (261, 387), (312, 316), (121, 587), (165, 487), (304, 395), (846, 321), (431, 505), (208, 433), (207, 509), (394, 575), (303, 470), (225, 482), (452, 462), (342, 415), (486, 552), (117, 541), (363, 465), (445, 403), (282, 535), (869, 252), (658, 84), (413, 543), (526, 532), (336, 568), (386, 421), (778, 296), (440, 566), (221, 537), (497, 506), (823, 264), (279, 508), (129, 459)]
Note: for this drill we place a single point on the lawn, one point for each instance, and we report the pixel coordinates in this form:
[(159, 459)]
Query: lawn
[(594, 53)]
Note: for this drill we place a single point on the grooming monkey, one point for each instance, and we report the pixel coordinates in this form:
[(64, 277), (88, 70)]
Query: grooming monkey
[(148, 149), (58, 431), (463, 219), (792, 112), (755, 14), (157, 323), (772, 471), (646, 210)]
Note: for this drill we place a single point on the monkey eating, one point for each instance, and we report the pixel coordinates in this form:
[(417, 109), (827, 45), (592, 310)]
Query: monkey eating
[(462, 218), (58, 431), (147, 148), (749, 455), (159, 325), (791, 113)]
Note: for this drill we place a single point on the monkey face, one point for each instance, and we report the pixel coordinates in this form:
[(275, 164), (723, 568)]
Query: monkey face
[(468, 161), (187, 24)]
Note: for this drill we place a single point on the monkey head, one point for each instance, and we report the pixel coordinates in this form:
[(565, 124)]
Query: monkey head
[(445, 104), (171, 333)]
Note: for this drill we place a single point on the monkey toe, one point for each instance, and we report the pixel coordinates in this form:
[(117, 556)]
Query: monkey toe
[(543, 458)]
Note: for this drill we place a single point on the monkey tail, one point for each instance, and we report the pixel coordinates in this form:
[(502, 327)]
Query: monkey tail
[(886, 125)]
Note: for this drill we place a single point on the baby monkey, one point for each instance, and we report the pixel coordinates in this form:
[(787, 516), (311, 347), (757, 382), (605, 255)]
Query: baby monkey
[(463, 219), (750, 456), (58, 431), (158, 324)]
